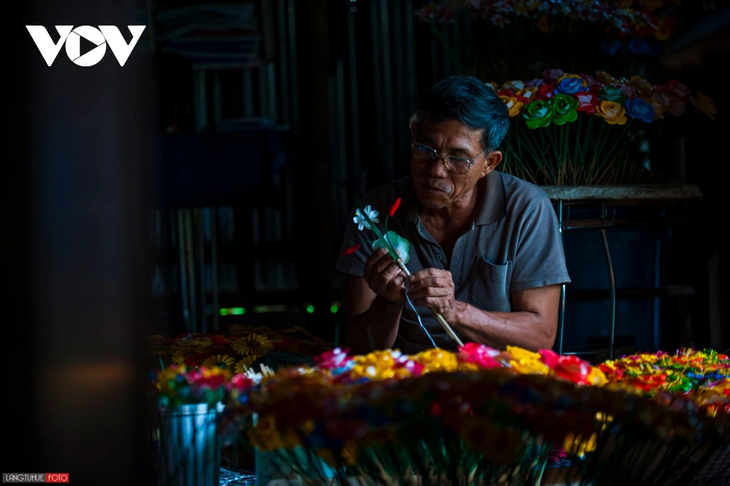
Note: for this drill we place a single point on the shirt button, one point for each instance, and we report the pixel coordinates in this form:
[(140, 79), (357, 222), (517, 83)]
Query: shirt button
[(438, 257)]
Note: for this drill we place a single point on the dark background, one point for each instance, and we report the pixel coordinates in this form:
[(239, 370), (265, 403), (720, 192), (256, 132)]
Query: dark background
[(114, 201)]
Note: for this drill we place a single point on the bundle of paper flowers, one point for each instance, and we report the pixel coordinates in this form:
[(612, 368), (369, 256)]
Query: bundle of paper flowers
[(579, 129), (237, 350), (702, 376), (640, 18), (479, 416)]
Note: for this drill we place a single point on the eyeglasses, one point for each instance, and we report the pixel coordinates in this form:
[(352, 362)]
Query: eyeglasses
[(458, 165)]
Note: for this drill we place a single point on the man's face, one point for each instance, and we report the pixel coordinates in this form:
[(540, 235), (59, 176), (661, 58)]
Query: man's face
[(435, 186)]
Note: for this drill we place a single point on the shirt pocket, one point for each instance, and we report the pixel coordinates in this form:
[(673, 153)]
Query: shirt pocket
[(490, 286)]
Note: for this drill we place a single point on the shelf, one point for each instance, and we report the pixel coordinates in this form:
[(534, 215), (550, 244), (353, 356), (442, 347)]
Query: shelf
[(605, 294)]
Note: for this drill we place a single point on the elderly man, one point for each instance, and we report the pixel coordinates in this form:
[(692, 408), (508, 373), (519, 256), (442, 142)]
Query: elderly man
[(485, 248)]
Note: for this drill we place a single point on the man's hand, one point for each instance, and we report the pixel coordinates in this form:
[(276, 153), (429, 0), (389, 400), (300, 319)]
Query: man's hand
[(434, 288), (385, 278)]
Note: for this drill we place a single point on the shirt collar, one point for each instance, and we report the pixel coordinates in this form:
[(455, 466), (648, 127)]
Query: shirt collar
[(493, 206)]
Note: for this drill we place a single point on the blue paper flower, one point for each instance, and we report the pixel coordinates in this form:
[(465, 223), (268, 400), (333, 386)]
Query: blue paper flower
[(570, 86), (639, 46), (640, 109), (611, 46)]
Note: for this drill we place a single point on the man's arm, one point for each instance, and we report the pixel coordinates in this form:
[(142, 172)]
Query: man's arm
[(532, 324), (376, 301), (368, 311)]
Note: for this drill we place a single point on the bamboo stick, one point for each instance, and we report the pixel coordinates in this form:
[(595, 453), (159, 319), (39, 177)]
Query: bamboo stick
[(435, 314)]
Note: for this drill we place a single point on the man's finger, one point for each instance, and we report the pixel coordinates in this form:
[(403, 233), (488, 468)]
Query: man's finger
[(374, 263), (429, 292)]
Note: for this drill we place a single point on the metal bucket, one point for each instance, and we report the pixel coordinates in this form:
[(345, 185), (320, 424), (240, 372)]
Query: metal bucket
[(190, 448)]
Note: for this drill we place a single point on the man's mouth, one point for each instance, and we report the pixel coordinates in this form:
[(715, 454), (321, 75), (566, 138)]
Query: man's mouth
[(433, 189)]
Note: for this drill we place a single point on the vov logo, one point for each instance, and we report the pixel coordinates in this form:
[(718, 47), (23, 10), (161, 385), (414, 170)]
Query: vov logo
[(71, 37)]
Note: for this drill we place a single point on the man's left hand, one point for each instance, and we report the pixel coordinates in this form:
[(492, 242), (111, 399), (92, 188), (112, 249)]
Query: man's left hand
[(434, 288)]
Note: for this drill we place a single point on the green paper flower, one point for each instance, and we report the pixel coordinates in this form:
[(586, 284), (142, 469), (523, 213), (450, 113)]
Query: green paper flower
[(565, 109), (538, 113), (400, 244), (612, 93)]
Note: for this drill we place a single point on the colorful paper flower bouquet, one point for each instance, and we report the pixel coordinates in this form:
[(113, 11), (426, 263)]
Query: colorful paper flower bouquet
[(479, 36), (576, 129), (479, 416)]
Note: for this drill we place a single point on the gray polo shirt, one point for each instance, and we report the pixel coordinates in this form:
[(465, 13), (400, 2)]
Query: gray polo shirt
[(514, 244)]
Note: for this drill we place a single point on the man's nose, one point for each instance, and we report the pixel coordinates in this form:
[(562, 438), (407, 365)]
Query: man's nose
[(437, 168)]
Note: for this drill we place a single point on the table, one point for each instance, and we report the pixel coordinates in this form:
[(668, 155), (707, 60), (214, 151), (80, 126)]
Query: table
[(623, 195)]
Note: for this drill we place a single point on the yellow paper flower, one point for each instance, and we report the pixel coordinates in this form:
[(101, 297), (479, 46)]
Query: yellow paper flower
[(513, 86), (203, 346), (544, 24), (349, 454), (596, 377), (377, 365), (437, 360), (527, 366), (253, 344), (605, 78), (219, 360), (527, 93), (570, 76), (662, 32), (612, 112), (178, 357), (651, 5), (642, 86), (513, 105), (265, 436), (705, 105), (245, 363), (578, 445), (521, 353)]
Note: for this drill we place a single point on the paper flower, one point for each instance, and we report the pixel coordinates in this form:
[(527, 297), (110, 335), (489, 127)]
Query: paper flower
[(538, 114), (243, 364), (514, 106), (513, 86), (219, 360), (351, 250), (564, 109), (552, 74), (253, 344), (571, 85), (361, 221), (705, 105), (612, 112), (545, 91), (612, 93), (394, 207), (640, 109), (587, 102), (401, 245)]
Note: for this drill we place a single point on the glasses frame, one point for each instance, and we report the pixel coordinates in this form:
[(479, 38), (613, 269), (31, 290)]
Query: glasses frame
[(435, 155)]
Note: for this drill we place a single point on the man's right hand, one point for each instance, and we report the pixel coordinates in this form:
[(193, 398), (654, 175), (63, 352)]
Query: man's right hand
[(385, 278)]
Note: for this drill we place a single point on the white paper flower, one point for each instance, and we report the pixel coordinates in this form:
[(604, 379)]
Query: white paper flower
[(360, 220)]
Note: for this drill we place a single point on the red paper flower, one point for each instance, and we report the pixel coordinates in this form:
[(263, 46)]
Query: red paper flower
[(394, 207), (550, 358), (478, 354), (574, 369), (334, 358), (545, 91), (351, 250)]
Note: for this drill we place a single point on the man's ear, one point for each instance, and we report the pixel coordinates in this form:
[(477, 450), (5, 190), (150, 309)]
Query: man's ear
[(414, 129), (492, 161)]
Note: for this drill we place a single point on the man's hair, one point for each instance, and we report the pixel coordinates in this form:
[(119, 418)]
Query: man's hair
[(472, 102)]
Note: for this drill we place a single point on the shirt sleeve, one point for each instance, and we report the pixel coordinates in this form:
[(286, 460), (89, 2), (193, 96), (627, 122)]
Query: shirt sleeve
[(353, 263), (539, 258)]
